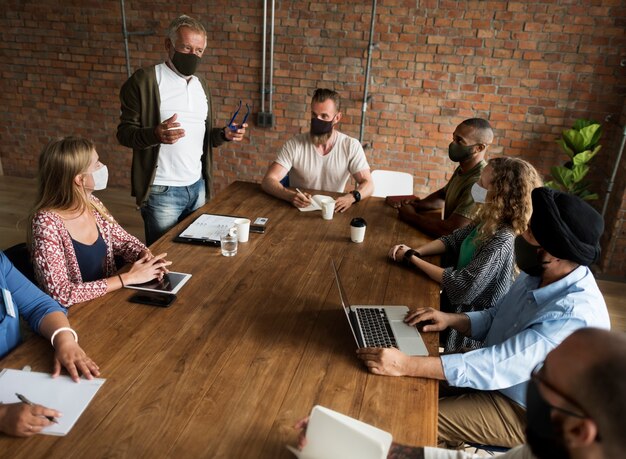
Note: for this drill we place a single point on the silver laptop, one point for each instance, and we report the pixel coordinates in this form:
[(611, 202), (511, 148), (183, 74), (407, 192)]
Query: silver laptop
[(380, 326)]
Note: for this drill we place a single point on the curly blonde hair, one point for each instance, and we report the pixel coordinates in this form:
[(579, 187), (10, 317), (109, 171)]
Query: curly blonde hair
[(508, 200)]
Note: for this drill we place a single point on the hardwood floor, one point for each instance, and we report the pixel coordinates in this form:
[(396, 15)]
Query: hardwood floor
[(18, 194)]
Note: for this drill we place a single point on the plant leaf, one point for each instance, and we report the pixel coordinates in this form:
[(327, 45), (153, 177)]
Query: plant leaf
[(563, 176), (564, 146), (579, 172)]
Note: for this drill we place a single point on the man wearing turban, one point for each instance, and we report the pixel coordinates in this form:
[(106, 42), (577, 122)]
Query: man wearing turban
[(484, 391)]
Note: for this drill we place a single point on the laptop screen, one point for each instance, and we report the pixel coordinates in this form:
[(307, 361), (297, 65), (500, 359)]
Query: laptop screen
[(344, 300)]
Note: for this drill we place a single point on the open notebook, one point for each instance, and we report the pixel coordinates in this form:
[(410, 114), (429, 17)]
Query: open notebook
[(332, 435), (60, 393), (316, 203)]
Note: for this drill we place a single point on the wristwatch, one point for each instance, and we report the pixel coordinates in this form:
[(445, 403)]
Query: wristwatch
[(357, 195)]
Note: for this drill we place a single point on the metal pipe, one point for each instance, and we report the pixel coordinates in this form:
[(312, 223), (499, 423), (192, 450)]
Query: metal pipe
[(264, 56), (272, 57), (125, 32), (367, 72), (614, 174)]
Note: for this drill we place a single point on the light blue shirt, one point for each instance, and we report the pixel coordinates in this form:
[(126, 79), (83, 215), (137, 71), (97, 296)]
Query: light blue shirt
[(526, 324), (27, 300)]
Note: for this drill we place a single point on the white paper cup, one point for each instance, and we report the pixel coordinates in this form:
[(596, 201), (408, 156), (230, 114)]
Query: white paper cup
[(357, 229), (243, 229), (328, 208)]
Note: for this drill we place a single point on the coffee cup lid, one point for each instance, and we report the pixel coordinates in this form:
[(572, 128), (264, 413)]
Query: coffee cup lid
[(358, 222)]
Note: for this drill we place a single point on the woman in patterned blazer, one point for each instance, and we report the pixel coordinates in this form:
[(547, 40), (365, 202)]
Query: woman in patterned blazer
[(483, 250), (74, 239)]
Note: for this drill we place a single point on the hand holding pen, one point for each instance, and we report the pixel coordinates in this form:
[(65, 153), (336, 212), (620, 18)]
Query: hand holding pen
[(26, 418), (301, 199)]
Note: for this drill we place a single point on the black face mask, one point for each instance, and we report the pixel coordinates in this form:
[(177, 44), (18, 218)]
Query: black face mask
[(543, 435), (527, 258), (186, 64), (458, 152), (321, 127)]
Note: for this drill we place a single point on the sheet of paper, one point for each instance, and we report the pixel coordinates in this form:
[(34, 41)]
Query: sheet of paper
[(316, 203), (210, 227), (60, 393)]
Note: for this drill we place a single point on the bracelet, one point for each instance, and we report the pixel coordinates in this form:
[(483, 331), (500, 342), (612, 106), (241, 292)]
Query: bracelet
[(122, 282), (408, 254), (58, 330)]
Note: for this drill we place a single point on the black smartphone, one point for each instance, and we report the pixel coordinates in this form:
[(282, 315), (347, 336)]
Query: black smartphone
[(162, 300)]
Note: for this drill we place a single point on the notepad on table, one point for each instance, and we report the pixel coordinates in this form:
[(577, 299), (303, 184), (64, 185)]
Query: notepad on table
[(60, 393), (316, 203)]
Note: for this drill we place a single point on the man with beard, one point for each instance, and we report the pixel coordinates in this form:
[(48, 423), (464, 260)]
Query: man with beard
[(470, 142), (575, 403), (556, 295), (322, 159), (166, 118)]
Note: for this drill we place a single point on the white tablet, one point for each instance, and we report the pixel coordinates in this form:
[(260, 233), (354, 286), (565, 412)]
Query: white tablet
[(171, 283)]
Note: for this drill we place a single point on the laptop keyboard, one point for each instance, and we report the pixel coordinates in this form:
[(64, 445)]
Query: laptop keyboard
[(376, 329)]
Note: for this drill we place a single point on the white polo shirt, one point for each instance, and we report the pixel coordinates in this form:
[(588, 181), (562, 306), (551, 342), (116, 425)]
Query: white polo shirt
[(179, 164)]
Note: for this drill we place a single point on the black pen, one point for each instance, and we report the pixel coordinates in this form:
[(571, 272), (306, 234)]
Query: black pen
[(28, 402)]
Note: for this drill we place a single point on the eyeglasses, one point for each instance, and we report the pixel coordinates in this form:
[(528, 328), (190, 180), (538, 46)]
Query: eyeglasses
[(536, 376), (234, 126)]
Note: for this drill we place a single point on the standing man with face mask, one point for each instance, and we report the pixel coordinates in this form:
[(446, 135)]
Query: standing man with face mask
[(166, 118), (322, 159), (555, 296), (470, 142)]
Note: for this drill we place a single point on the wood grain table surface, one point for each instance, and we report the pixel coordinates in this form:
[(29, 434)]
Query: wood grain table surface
[(250, 345)]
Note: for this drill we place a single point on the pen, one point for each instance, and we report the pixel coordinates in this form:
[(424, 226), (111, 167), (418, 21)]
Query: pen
[(302, 194), (28, 402)]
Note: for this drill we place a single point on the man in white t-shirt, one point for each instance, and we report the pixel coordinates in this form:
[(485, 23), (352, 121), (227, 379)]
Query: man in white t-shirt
[(166, 118), (322, 159)]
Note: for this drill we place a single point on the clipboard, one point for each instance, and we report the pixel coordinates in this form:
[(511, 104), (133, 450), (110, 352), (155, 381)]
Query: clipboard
[(207, 229)]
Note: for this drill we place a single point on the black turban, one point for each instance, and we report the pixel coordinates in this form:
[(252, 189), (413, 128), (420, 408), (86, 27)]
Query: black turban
[(566, 226)]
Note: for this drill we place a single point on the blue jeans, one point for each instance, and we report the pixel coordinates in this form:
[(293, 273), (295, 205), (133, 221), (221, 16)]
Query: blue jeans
[(168, 205)]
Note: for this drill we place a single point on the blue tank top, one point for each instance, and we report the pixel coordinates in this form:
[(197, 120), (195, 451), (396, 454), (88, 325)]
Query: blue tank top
[(91, 258)]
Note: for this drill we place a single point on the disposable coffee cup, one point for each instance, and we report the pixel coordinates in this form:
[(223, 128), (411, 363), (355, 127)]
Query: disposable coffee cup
[(243, 229), (328, 208), (357, 229)]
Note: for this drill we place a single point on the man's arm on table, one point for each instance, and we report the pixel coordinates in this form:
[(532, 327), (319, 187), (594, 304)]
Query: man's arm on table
[(431, 223), (365, 186), (271, 185), (393, 362)]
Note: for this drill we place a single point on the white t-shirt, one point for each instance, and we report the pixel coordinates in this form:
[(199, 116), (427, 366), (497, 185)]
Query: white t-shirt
[(179, 163), (309, 169)]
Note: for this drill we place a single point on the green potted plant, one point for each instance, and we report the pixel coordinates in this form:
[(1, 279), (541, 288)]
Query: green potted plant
[(580, 143)]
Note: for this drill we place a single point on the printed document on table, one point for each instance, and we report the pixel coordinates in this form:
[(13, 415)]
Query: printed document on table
[(60, 393), (210, 227)]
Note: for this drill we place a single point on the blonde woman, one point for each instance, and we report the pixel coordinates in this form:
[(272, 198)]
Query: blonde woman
[(484, 250), (74, 239)]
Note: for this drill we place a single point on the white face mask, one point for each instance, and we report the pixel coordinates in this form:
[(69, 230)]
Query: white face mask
[(100, 178), (479, 193)]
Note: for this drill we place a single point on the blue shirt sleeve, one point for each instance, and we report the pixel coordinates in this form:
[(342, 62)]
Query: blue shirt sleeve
[(509, 363), (31, 303)]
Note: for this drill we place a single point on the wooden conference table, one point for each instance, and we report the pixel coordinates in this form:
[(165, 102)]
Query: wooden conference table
[(250, 345)]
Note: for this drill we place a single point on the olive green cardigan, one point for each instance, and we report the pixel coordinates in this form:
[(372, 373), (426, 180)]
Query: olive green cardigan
[(140, 115)]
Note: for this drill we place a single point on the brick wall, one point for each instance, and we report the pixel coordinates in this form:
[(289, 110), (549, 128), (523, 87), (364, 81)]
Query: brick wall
[(531, 68)]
